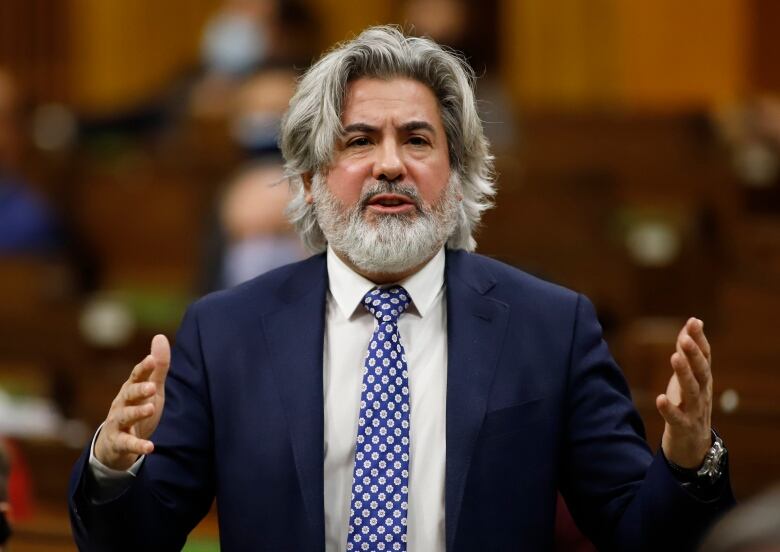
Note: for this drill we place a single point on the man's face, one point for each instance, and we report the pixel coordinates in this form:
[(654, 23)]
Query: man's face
[(388, 201), (393, 132)]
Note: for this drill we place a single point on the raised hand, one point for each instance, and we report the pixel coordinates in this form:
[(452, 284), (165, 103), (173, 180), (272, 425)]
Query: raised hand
[(687, 404), (136, 410)]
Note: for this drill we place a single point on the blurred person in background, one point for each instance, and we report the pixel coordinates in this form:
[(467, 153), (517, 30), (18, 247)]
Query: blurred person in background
[(236, 39), (242, 38), (255, 234), (252, 234), (235, 42), (752, 132), (227, 109), (27, 225), (753, 526), (256, 115)]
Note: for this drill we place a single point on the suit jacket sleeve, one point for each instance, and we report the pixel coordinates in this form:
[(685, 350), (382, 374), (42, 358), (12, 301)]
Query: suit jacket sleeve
[(621, 496), (175, 485)]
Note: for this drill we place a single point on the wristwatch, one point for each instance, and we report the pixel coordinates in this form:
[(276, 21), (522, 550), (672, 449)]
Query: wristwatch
[(711, 468), (714, 460)]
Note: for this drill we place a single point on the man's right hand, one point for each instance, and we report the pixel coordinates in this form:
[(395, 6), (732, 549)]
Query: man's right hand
[(136, 410)]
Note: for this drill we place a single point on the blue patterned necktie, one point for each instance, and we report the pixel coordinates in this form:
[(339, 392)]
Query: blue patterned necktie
[(380, 481)]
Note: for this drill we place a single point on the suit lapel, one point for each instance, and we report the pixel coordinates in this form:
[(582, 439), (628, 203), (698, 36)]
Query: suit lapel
[(295, 335), (476, 325)]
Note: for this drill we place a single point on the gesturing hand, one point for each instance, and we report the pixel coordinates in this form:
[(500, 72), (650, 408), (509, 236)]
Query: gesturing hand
[(136, 410), (687, 405)]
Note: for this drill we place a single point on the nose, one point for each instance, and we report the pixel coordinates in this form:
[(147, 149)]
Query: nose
[(388, 164)]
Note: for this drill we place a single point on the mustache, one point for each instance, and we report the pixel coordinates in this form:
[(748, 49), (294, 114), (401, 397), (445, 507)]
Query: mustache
[(384, 187)]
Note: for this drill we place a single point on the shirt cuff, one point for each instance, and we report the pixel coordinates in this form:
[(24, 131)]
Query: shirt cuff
[(109, 483)]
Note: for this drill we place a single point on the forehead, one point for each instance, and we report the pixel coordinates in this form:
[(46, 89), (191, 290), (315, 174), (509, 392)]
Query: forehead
[(371, 100)]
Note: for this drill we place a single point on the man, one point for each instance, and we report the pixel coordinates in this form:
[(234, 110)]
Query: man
[(26, 223), (483, 391)]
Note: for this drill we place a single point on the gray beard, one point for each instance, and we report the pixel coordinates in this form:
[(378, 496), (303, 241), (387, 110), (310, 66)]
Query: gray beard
[(391, 243)]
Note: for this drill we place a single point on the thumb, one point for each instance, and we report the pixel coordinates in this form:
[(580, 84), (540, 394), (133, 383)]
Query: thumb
[(161, 352), (668, 410)]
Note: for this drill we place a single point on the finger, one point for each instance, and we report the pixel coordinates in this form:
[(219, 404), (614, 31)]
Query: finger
[(696, 331), (699, 365), (685, 348), (127, 416), (134, 392), (161, 352), (671, 414), (689, 385), (142, 370), (678, 344), (130, 444)]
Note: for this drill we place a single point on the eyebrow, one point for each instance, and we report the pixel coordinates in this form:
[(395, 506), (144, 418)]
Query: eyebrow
[(360, 127), (411, 126)]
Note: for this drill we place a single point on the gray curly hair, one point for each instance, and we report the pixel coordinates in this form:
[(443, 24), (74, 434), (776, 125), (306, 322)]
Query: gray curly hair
[(312, 124)]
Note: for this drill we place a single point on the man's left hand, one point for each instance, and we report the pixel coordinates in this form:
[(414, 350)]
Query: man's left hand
[(687, 404)]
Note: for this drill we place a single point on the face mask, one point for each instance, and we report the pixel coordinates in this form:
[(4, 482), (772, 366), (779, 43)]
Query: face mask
[(233, 45), (257, 133)]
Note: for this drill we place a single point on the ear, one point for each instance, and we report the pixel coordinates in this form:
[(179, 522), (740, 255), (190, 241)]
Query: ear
[(306, 178)]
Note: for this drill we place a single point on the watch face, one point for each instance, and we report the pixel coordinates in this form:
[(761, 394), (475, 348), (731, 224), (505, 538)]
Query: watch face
[(713, 461)]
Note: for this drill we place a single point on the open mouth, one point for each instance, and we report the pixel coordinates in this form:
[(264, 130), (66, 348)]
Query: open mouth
[(391, 203)]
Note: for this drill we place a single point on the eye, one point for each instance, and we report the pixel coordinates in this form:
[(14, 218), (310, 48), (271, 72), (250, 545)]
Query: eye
[(359, 141), (418, 140)]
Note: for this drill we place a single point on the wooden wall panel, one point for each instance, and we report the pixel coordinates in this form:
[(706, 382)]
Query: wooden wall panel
[(659, 54), (342, 19), (764, 46), (124, 51), (560, 54), (681, 54), (35, 46)]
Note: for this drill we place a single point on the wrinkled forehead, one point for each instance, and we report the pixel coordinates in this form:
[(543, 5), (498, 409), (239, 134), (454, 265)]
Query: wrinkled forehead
[(397, 100)]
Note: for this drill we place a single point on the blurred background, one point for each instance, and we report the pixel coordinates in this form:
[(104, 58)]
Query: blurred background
[(637, 143)]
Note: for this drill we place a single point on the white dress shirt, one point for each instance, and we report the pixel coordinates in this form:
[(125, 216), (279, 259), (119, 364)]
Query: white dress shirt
[(348, 330), (423, 331)]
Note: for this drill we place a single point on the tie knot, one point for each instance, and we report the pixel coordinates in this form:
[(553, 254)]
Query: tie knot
[(387, 304)]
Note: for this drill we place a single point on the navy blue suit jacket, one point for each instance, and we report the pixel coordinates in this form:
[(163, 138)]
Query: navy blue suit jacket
[(535, 404)]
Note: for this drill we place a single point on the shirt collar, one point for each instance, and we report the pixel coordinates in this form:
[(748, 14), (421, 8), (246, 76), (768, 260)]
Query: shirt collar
[(348, 287)]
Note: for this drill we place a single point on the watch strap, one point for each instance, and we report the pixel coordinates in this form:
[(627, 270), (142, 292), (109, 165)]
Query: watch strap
[(709, 472)]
